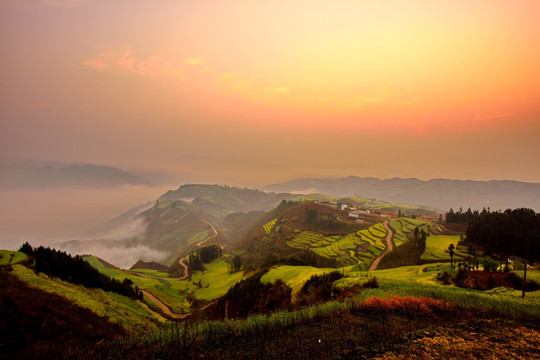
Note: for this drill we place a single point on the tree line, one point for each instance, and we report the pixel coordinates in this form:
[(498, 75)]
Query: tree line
[(205, 255), (461, 216), (77, 271), (512, 232)]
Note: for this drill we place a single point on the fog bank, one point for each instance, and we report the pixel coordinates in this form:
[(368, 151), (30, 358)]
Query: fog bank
[(50, 216), (118, 253)]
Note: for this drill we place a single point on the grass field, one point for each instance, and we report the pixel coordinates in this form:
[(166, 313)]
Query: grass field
[(151, 272), (293, 276), (437, 248), (134, 316), (11, 257), (215, 280), (208, 285)]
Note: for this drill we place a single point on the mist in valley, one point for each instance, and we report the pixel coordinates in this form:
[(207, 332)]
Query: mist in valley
[(75, 219)]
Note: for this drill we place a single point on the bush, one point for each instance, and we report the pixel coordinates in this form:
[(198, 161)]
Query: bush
[(319, 288)]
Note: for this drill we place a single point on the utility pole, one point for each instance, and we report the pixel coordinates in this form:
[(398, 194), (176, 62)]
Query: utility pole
[(524, 279)]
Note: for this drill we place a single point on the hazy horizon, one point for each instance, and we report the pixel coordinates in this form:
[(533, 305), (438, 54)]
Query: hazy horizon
[(251, 93)]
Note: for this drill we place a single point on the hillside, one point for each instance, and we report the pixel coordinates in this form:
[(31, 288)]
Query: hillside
[(439, 193), (40, 175), (215, 201), (308, 233), (42, 316)]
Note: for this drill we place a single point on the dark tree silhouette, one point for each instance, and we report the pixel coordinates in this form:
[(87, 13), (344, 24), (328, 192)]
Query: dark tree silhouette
[(451, 248), (76, 270)]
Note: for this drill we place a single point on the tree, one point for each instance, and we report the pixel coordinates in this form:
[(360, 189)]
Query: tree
[(27, 249), (237, 263), (488, 263), (451, 252), (310, 216)]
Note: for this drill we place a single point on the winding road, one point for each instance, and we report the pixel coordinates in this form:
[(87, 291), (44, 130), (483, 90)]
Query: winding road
[(155, 300), (183, 264), (162, 306), (389, 247)]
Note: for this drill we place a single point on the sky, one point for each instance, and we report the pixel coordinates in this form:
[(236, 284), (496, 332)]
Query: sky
[(248, 92)]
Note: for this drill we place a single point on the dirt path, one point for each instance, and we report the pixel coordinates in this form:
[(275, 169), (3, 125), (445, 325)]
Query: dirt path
[(389, 247), (162, 306), (155, 300), (168, 311), (181, 262), (210, 237)]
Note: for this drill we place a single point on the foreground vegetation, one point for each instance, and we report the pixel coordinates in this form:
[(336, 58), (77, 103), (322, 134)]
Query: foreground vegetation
[(392, 321)]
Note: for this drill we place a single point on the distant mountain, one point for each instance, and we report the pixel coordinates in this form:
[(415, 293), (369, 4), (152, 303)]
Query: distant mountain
[(42, 174), (439, 193), (216, 201)]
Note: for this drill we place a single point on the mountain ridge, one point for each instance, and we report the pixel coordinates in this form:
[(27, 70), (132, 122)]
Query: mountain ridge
[(439, 193), (47, 174)]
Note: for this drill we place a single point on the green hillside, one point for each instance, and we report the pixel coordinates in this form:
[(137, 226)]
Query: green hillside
[(172, 226), (181, 296), (215, 201)]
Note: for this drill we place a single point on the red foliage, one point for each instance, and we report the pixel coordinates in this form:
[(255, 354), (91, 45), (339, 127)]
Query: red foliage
[(409, 306)]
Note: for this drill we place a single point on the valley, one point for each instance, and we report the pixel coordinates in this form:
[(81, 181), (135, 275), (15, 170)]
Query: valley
[(248, 263)]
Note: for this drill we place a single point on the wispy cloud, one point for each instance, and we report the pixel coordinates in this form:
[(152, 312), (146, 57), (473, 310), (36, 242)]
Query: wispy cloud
[(277, 90), (39, 3), (195, 61), (125, 61)]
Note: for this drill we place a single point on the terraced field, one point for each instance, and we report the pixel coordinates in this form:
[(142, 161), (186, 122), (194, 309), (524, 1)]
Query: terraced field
[(404, 226), (268, 226), (354, 250)]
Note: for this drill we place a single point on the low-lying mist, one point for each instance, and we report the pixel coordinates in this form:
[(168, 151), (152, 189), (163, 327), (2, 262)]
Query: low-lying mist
[(117, 252), (50, 216), (118, 246)]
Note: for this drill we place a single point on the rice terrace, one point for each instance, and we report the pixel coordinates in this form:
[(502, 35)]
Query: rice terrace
[(270, 180), (312, 277)]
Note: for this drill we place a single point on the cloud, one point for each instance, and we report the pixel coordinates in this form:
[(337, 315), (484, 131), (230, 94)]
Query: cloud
[(114, 246), (277, 90), (116, 253), (231, 82), (40, 3), (195, 61), (126, 62)]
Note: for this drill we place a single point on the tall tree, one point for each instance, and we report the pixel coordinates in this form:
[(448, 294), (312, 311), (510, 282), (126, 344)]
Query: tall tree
[(451, 252)]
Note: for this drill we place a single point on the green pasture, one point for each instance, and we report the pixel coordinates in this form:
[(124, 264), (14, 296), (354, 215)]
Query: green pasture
[(207, 285), (293, 276), (11, 257), (133, 315), (215, 280), (437, 248), (151, 272)]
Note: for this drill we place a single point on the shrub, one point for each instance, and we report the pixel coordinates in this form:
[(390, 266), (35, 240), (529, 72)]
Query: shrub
[(318, 288)]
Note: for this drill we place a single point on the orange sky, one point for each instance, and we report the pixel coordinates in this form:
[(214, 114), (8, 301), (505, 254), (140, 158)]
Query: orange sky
[(253, 92)]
